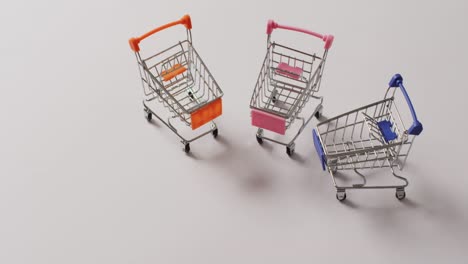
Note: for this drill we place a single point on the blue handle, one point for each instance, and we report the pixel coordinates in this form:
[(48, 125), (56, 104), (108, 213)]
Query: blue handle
[(416, 128)]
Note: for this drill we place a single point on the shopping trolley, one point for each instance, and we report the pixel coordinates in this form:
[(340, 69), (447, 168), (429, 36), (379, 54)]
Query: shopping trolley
[(177, 79), (373, 136), (287, 80)]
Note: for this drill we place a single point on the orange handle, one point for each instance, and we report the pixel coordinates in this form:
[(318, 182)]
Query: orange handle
[(134, 42)]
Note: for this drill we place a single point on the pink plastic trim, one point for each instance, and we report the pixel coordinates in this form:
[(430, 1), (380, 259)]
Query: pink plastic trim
[(268, 121), (328, 39), (270, 26), (289, 71)]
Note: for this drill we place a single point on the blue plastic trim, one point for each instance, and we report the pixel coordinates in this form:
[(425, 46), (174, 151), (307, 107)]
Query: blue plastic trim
[(320, 152), (385, 127), (416, 128)]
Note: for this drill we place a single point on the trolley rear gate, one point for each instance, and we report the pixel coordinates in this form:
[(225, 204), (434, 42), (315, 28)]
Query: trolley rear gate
[(178, 79), (372, 136), (287, 80)]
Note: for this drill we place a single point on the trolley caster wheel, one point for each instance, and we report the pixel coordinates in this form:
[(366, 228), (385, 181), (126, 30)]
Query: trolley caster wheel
[(191, 95), (259, 139), (400, 194), (187, 147), (318, 115), (215, 133), (290, 150), (274, 99), (148, 115), (341, 196)]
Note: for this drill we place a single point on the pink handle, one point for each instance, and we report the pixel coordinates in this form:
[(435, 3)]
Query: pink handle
[(328, 39)]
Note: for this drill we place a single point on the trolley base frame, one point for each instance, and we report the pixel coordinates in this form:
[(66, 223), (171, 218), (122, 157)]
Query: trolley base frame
[(400, 193), (185, 141), (290, 145)]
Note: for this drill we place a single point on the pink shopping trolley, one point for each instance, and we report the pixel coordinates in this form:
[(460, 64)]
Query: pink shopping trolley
[(287, 80)]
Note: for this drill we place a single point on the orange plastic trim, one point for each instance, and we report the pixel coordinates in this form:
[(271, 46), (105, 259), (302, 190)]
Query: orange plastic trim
[(207, 113), (134, 42), (173, 72)]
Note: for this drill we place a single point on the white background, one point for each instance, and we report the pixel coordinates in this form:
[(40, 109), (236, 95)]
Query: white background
[(85, 179)]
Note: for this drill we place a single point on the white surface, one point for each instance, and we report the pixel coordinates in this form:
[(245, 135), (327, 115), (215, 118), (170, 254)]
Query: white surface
[(85, 179)]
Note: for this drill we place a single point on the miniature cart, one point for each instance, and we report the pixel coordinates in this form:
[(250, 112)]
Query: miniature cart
[(178, 79), (372, 136), (287, 80)]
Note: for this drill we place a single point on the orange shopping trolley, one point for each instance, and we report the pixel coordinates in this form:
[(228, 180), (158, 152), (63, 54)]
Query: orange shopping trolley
[(177, 79)]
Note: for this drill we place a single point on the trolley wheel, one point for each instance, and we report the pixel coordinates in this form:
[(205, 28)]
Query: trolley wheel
[(187, 147), (318, 114), (259, 139), (400, 194), (290, 150), (274, 99), (215, 133), (341, 196), (148, 115), (191, 95)]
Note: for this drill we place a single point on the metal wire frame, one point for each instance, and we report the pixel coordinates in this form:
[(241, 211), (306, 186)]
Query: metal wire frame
[(284, 96), (352, 141), (183, 94)]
